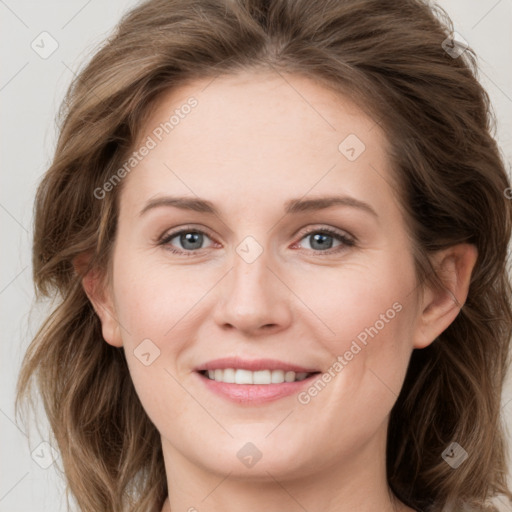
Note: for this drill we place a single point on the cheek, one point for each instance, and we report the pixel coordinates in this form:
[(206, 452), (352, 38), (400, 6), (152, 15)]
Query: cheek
[(156, 310), (153, 300), (367, 313), (356, 300), (159, 323)]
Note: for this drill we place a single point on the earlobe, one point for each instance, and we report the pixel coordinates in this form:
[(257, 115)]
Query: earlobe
[(439, 308), (100, 296)]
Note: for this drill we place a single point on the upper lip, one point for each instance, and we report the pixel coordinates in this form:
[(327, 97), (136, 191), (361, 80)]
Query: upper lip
[(253, 365)]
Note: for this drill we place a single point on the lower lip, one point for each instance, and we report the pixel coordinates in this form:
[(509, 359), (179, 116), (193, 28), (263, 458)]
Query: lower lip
[(255, 393)]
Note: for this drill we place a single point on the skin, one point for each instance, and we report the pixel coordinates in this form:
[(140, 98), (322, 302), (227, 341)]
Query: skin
[(252, 143)]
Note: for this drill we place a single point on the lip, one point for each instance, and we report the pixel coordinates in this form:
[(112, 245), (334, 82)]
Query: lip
[(254, 394), (253, 365)]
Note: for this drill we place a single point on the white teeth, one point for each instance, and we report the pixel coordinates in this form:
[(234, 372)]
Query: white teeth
[(242, 376), (277, 377), (238, 376), (229, 375), (289, 376), (261, 377)]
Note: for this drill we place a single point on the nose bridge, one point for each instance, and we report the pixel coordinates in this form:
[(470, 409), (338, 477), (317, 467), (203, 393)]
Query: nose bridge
[(252, 296)]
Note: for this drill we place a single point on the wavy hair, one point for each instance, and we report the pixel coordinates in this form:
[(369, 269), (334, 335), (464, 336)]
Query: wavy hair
[(388, 58)]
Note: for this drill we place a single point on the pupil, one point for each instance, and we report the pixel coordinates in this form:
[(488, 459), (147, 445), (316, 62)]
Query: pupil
[(320, 239), (194, 238)]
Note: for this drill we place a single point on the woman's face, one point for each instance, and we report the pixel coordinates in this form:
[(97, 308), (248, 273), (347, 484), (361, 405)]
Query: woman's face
[(305, 262)]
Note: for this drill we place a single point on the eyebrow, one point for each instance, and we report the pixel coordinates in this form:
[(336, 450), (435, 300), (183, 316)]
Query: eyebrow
[(291, 206)]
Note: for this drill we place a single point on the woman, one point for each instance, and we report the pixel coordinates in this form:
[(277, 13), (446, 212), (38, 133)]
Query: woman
[(336, 335)]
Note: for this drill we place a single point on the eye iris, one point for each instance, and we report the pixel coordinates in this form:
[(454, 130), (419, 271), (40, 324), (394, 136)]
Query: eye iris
[(195, 238), (319, 238)]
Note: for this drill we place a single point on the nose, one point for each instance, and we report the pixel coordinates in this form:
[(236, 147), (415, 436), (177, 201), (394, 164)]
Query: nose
[(253, 298)]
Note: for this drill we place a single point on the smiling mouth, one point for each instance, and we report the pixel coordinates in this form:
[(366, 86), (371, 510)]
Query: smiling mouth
[(241, 376)]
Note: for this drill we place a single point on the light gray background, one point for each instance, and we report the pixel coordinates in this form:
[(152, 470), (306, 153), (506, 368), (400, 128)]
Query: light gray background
[(31, 89)]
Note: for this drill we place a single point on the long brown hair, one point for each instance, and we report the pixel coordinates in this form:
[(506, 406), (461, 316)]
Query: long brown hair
[(388, 57)]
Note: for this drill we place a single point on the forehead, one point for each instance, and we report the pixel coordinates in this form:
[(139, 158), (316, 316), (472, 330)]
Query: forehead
[(259, 133), (262, 105)]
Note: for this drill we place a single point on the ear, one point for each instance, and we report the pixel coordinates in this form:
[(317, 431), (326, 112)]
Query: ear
[(439, 308), (101, 298)]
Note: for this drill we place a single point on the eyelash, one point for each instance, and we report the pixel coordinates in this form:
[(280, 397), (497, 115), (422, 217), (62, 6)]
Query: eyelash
[(346, 241)]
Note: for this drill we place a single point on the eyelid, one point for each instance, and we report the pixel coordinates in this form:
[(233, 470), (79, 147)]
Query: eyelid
[(325, 229)]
